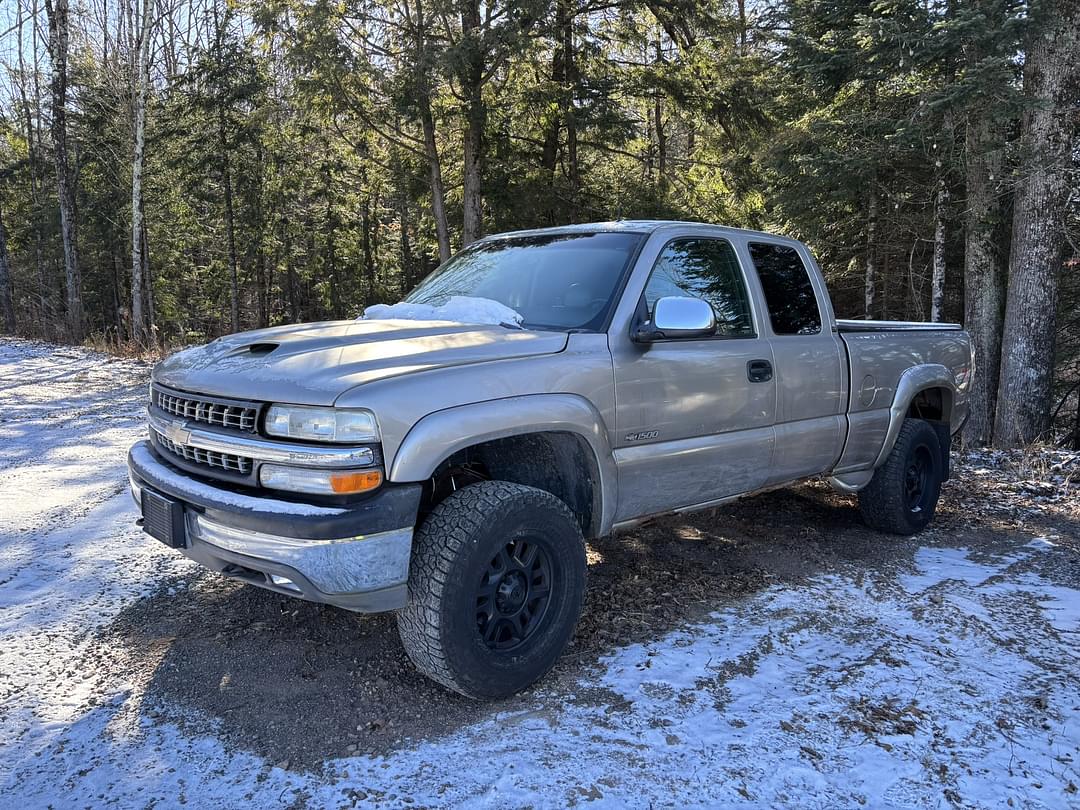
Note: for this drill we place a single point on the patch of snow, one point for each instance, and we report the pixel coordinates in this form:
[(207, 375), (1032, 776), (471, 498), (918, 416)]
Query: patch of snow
[(1041, 543), (1061, 606), (458, 309), (937, 565)]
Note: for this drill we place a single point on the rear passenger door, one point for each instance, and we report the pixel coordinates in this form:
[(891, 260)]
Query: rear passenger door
[(808, 361), (691, 426)]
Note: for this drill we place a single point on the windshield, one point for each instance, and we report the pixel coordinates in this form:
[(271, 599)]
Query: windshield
[(553, 281)]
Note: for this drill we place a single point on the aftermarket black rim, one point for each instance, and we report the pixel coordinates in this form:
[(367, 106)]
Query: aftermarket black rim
[(513, 594), (918, 479)]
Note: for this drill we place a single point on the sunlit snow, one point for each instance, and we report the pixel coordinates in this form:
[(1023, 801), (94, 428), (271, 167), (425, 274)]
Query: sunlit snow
[(458, 309)]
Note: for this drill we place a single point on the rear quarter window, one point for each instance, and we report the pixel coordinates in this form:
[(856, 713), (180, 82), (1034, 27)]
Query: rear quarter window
[(789, 294)]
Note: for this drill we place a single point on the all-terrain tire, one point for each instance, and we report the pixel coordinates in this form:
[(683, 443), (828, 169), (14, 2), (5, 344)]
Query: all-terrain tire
[(482, 551), (903, 494)]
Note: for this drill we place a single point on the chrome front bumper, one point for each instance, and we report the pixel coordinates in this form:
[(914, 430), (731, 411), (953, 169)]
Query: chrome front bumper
[(337, 567), (337, 563)]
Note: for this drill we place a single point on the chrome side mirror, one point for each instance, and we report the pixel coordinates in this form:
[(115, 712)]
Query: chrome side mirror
[(676, 317)]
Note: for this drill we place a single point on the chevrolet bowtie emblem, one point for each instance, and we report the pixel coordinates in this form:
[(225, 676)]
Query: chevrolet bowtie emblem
[(177, 432)]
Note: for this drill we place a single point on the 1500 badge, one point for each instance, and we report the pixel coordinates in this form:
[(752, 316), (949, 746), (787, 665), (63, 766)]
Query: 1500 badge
[(643, 435)]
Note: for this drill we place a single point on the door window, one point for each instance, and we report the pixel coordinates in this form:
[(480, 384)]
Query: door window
[(706, 269), (789, 295)]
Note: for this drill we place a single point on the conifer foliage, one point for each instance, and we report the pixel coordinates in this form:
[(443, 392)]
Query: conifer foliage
[(172, 170)]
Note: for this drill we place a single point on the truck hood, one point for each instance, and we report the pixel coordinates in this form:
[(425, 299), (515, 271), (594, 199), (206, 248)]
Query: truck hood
[(314, 363)]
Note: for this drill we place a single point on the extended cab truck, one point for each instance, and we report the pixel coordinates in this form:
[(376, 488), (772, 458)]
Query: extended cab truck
[(446, 457)]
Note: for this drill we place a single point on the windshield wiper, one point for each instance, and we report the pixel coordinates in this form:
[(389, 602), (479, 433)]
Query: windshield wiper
[(509, 325)]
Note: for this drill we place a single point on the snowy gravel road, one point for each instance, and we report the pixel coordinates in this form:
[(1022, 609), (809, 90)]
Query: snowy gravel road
[(771, 653)]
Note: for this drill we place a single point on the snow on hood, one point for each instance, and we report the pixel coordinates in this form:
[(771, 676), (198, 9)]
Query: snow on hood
[(459, 309)]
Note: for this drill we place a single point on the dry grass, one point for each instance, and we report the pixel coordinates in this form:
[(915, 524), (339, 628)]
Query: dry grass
[(110, 343), (1040, 477)]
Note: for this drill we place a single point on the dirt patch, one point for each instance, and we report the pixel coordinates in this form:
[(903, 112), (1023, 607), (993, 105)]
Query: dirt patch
[(299, 683)]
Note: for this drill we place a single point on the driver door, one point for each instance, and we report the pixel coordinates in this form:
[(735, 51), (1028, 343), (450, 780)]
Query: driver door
[(691, 425)]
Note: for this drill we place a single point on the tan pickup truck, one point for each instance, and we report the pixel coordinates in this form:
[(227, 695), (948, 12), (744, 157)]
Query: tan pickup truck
[(448, 456)]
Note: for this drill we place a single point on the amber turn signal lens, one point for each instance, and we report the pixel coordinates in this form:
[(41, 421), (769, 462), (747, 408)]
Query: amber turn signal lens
[(350, 483)]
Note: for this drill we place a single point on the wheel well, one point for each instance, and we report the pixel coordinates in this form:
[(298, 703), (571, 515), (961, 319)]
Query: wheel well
[(558, 462), (931, 404), (934, 405)]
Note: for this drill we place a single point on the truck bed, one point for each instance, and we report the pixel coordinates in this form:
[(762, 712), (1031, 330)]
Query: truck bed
[(894, 326)]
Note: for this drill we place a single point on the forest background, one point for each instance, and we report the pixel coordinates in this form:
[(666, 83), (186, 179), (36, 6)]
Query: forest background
[(174, 170)]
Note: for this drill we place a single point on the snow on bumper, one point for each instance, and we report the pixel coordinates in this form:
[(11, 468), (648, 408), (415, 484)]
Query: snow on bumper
[(355, 557)]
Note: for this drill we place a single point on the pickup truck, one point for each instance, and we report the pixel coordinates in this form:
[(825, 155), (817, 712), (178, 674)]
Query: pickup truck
[(448, 456)]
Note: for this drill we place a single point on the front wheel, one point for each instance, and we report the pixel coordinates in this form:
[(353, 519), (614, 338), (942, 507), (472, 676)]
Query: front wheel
[(903, 494), (496, 584)]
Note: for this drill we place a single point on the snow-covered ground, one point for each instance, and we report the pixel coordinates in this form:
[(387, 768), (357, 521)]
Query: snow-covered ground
[(946, 678)]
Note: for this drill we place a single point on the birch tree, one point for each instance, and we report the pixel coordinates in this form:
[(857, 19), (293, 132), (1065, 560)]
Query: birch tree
[(937, 281), (140, 315)]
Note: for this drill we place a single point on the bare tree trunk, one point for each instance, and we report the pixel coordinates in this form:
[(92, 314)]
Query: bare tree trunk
[(475, 121), (742, 27), (226, 180), (148, 280), (58, 51), (549, 153), (291, 282), (573, 168), (438, 188), (1076, 425), (658, 117), (564, 77), (870, 282), (369, 259), (406, 242), (937, 283), (262, 296), (140, 327), (984, 272), (33, 157), (119, 319), (1051, 82), (230, 231), (7, 295), (336, 309), (422, 62)]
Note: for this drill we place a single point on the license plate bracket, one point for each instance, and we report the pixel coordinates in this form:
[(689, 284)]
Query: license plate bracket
[(163, 519)]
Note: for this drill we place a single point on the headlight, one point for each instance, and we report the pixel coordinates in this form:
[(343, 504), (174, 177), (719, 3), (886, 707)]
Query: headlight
[(322, 424), (319, 482)]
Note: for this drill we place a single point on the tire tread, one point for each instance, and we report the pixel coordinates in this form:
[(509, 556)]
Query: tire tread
[(450, 527), (881, 502)]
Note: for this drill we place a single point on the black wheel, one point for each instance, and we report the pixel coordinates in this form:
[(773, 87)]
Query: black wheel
[(903, 494), (496, 584)]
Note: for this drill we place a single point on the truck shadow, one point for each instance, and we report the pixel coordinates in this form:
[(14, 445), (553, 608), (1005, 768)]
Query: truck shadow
[(297, 682)]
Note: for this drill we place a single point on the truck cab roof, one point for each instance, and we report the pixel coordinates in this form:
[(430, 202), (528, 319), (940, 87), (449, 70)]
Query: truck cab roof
[(642, 226)]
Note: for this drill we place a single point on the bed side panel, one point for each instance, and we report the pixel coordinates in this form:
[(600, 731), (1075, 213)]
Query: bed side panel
[(877, 359)]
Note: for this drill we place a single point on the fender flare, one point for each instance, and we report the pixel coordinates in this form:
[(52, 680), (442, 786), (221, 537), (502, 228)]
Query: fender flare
[(912, 382), (437, 436)]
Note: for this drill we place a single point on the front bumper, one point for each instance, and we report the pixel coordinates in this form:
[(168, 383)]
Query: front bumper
[(354, 557)]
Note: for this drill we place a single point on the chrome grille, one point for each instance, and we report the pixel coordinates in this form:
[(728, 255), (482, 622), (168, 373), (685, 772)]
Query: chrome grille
[(211, 458), (238, 417)]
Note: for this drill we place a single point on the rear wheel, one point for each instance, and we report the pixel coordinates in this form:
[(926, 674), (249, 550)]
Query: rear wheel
[(496, 585), (902, 496)]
